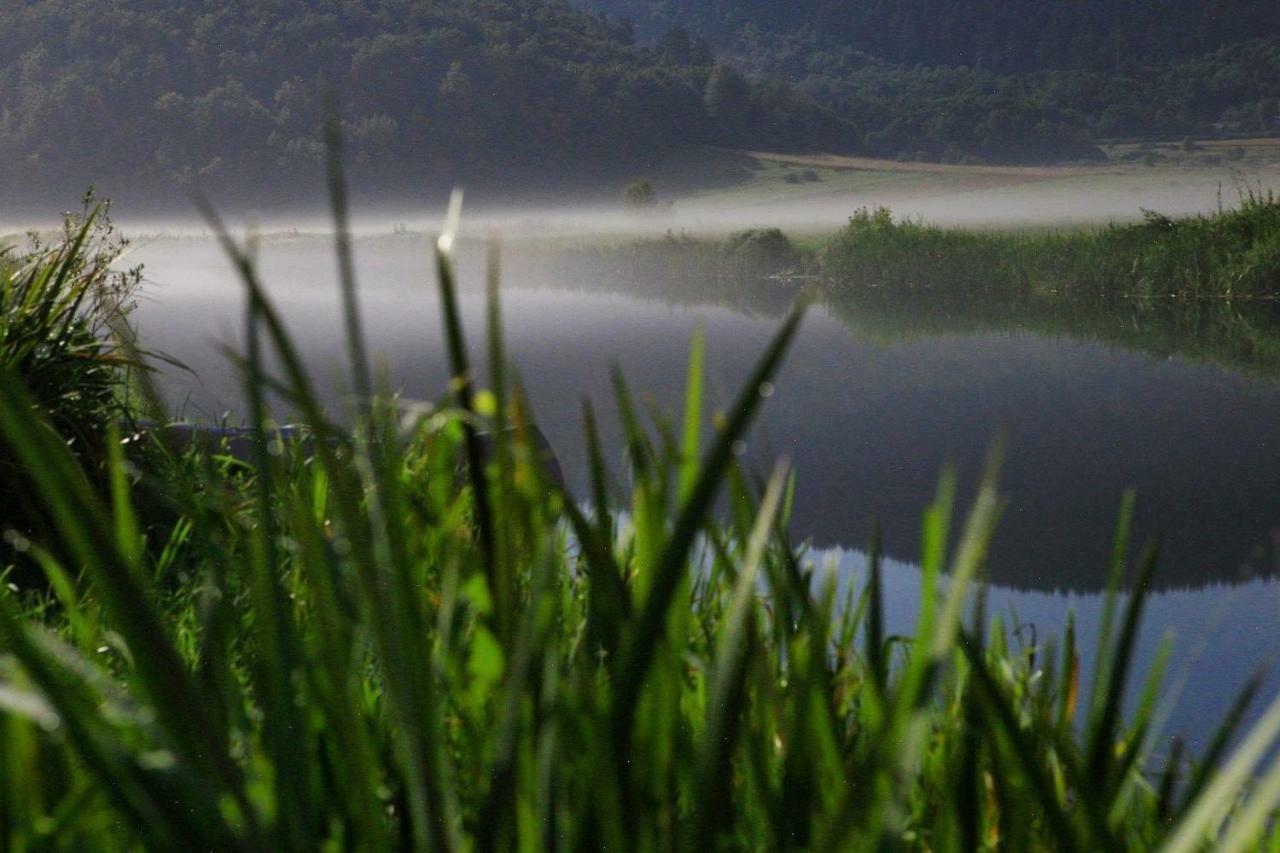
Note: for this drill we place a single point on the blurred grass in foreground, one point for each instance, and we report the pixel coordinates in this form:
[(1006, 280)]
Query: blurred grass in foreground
[(399, 633)]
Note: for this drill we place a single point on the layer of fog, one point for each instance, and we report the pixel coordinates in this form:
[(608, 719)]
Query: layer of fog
[(1067, 201)]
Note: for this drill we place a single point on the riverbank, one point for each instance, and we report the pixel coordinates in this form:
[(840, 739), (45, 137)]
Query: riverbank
[(1232, 254), (1205, 289), (396, 643)]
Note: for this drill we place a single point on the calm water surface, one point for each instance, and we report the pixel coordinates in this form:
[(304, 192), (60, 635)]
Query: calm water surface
[(868, 423)]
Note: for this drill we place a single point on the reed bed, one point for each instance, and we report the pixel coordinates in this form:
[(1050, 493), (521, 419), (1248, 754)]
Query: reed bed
[(1234, 253)]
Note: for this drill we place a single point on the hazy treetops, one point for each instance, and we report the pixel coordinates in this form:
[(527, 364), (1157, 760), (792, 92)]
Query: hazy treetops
[(140, 93), (143, 91)]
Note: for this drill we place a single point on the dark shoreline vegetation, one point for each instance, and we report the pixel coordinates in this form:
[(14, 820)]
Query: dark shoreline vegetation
[(1232, 254), (999, 80), (401, 636), (519, 96), (525, 98), (1205, 288)]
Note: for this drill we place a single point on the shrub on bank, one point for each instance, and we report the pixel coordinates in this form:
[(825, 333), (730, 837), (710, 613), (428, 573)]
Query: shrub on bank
[(761, 252)]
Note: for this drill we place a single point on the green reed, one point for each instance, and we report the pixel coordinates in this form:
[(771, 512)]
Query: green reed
[(1233, 253), (397, 631)]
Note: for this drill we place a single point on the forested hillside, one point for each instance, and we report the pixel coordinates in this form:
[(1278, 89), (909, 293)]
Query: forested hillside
[(1000, 80), (997, 35), (954, 114), (138, 92)]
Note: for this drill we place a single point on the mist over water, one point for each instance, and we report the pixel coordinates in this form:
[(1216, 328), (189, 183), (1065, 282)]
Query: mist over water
[(1033, 198), (867, 421)]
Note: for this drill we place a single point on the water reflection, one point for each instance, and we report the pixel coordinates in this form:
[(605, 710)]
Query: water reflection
[(1221, 635), (868, 407)]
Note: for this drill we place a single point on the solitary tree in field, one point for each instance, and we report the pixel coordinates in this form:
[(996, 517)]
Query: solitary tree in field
[(640, 195)]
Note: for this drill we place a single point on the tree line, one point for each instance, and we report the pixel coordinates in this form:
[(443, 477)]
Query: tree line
[(138, 94), (143, 92), (1002, 36), (1000, 80)]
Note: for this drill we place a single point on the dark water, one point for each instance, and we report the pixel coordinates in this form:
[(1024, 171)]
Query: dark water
[(868, 422)]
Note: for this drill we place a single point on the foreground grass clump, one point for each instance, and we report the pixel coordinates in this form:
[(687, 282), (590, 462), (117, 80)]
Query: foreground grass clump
[(58, 300), (1233, 253), (402, 635)]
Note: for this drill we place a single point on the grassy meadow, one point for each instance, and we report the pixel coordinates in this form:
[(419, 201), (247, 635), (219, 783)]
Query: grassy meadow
[(814, 193), (395, 630)]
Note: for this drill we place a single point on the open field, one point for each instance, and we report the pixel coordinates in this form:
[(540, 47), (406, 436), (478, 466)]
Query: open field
[(712, 192), (815, 192), (1241, 153)]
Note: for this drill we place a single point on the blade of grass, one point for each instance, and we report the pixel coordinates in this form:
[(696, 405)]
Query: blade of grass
[(1202, 820), (671, 563), (727, 696)]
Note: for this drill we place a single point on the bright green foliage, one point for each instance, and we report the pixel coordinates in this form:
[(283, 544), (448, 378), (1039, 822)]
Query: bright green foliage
[(402, 635), (975, 297), (58, 302), (1233, 253)]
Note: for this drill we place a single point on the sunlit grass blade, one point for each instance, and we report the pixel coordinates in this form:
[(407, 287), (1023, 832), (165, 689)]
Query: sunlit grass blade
[(690, 446), (692, 512), (1201, 820), (727, 694), (1115, 579), (461, 383), (1211, 759), (1102, 736)]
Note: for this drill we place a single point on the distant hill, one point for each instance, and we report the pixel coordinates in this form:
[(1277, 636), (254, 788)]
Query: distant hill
[(1002, 36), (138, 93), (1015, 81)]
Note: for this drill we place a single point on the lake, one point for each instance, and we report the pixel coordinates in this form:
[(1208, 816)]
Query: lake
[(868, 411)]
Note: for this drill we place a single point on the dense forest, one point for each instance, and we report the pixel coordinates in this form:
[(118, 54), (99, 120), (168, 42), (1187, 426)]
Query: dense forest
[(142, 92), (1000, 80), (1002, 36), (957, 114), (138, 94)]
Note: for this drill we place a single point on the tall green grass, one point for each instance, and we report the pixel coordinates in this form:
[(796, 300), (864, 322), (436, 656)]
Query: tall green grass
[(1242, 335), (404, 635), (1234, 253), (59, 300)]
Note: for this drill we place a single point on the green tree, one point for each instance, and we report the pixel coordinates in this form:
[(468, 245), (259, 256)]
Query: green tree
[(640, 195)]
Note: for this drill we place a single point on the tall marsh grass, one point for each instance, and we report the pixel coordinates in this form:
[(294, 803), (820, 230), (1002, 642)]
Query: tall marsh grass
[(403, 635), (1234, 253), (59, 299)]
